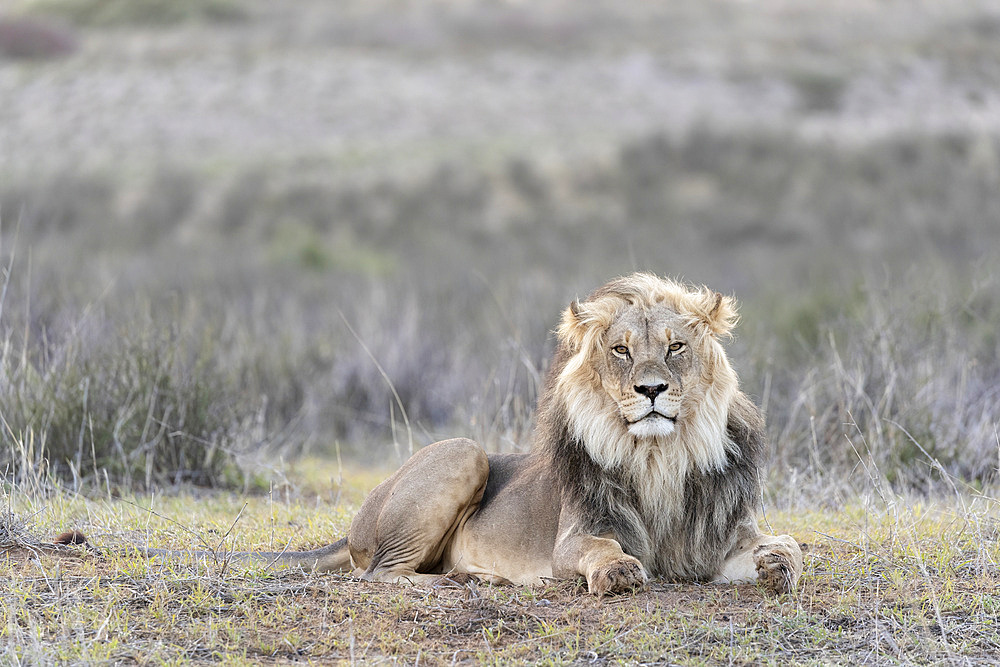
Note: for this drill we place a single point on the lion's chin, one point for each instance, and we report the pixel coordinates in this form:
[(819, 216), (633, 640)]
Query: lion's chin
[(653, 426)]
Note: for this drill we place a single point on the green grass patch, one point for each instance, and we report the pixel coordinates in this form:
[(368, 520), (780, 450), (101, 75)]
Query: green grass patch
[(888, 579)]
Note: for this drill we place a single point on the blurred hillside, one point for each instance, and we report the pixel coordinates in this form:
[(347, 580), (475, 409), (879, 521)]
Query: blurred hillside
[(210, 211)]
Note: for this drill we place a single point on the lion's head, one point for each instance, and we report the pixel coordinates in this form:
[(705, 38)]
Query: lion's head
[(645, 372)]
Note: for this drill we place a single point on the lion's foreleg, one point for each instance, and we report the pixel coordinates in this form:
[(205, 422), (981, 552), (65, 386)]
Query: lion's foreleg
[(775, 561), (600, 560)]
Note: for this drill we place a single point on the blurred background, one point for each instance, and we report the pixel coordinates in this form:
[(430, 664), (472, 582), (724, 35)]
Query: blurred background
[(234, 231)]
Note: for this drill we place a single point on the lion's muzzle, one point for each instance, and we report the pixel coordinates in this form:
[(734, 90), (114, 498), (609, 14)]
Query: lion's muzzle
[(652, 410)]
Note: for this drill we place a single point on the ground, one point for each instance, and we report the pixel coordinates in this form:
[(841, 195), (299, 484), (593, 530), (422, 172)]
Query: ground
[(887, 581)]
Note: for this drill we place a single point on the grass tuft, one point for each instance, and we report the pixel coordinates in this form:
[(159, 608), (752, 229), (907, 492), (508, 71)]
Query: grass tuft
[(133, 410)]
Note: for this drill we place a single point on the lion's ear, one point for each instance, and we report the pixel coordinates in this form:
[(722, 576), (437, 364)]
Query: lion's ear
[(716, 311), (571, 329), (583, 322)]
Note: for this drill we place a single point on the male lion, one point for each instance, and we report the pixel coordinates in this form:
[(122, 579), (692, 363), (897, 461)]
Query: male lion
[(646, 462)]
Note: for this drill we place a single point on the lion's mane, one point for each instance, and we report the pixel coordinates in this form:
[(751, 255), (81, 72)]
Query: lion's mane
[(673, 502)]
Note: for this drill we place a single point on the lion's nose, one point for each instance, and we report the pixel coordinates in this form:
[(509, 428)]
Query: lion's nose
[(651, 390)]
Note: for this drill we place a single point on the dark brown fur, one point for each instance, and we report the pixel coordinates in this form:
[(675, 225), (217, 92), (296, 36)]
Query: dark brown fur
[(70, 537)]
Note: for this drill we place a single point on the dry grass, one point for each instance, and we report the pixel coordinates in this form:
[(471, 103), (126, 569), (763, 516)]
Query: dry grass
[(888, 580), (187, 267), (209, 211)]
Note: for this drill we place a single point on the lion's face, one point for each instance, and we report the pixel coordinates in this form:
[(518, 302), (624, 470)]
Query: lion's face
[(643, 368), (647, 366)]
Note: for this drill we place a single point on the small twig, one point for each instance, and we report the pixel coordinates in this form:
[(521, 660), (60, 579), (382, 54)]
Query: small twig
[(229, 555), (848, 542), (10, 264), (150, 510)]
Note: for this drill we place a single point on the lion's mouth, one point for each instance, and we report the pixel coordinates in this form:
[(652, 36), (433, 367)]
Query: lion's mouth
[(654, 424), (654, 415)]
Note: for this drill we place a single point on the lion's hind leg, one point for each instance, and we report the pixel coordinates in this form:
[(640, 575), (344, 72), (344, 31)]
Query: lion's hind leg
[(404, 526), (775, 562)]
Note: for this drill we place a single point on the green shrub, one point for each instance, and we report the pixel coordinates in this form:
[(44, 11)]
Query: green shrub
[(141, 408)]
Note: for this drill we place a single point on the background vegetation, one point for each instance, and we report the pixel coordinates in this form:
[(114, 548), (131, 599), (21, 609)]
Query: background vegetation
[(272, 247), (248, 243)]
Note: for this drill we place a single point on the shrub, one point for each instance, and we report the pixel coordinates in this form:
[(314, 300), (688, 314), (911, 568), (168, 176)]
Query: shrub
[(31, 38), (141, 12), (138, 408), (453, 277), (901, 380)]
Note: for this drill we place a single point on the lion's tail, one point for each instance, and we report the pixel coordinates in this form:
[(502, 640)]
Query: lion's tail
[(333, 558)]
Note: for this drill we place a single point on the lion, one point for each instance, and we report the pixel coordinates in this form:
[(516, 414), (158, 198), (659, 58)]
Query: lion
[(645, 463)]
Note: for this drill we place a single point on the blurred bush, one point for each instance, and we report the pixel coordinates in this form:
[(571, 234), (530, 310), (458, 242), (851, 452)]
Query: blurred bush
[(865, 272), (105, 13), (29, 38), (140, 407), (899, 380)]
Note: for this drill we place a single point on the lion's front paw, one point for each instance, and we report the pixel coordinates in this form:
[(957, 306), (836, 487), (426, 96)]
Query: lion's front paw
[(618, 576), (779, 565)]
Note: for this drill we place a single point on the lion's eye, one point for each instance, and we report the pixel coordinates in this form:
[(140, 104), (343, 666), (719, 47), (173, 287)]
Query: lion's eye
[(676, 347), (620, 350)]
